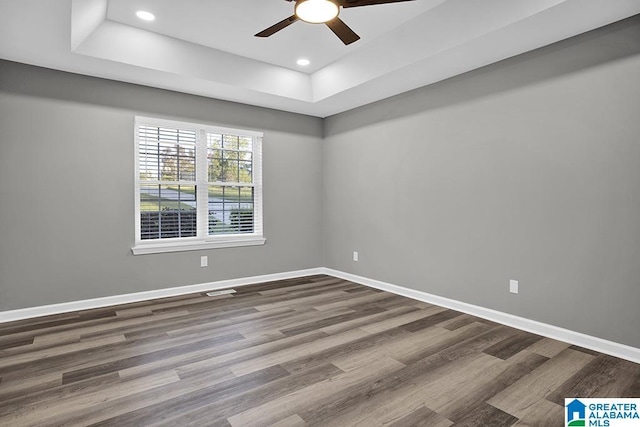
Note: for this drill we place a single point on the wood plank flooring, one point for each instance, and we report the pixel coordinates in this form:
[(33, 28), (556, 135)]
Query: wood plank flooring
[(307, 351)]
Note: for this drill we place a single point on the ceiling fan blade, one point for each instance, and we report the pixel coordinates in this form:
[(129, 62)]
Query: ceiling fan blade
[(342, 30), (357, 3), (277, 27)]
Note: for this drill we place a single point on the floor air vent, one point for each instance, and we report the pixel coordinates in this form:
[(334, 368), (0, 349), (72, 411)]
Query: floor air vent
[(222, 292)]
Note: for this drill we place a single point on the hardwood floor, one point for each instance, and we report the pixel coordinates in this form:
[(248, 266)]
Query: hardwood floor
[(308, 351)]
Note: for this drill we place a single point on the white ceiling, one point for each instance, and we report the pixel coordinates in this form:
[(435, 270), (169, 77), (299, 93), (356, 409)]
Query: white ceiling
[(230, 25), (206, 47)]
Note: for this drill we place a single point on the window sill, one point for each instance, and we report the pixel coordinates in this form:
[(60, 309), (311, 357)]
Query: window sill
[(195, 245)]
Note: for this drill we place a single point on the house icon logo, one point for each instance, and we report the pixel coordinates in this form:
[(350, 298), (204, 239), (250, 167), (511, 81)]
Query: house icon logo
[(576, 413)]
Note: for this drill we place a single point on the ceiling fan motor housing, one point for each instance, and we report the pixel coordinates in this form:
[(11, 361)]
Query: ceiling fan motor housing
[(324, 12)]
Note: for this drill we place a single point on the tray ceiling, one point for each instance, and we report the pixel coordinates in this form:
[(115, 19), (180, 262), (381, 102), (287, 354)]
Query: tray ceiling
[(207, 47)]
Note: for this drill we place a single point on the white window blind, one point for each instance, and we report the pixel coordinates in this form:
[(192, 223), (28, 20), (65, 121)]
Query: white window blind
[(197, 186)]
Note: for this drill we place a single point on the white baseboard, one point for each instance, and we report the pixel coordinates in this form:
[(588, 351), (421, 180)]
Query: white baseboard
[(587, 341), (550, 331), (46, 310)]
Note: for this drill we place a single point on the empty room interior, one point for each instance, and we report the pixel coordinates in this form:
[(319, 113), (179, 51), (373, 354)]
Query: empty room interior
[(319, 212)]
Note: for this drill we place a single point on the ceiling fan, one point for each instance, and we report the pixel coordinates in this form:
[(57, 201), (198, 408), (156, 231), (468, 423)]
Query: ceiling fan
[(324, 12)]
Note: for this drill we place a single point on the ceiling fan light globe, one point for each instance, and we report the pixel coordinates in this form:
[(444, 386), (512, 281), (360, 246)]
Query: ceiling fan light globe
[(316, 11)]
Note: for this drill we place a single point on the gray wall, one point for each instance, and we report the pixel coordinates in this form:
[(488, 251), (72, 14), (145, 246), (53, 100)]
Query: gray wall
[(528, 169), (66, 163)]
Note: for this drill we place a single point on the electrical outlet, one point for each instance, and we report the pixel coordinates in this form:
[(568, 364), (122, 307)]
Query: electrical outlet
[(204, 261), (355, 256), (513, 286)]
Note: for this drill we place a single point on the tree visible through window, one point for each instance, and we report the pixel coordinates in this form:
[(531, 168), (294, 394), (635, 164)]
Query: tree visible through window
[(197, 183)]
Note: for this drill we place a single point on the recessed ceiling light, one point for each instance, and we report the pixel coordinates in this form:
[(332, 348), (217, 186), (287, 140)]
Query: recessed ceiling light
[(145, 16), (303, 62)]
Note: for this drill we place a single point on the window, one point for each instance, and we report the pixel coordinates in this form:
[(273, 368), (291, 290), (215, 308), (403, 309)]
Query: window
[(197, 187)]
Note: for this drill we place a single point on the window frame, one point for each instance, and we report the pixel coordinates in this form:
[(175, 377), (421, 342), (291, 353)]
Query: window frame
[(202, 240)]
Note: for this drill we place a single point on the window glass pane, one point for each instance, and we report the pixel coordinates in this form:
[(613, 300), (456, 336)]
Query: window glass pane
[(167, 211), (214, 140), (215, 165), (244, 143), (230, 209), (149, 161), (244, 171), (230, 142), (230, 155), (186, 163)]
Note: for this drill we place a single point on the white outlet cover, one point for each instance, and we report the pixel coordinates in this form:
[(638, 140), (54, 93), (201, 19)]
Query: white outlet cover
[(204, 261), (355, 255), (513, 286)]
